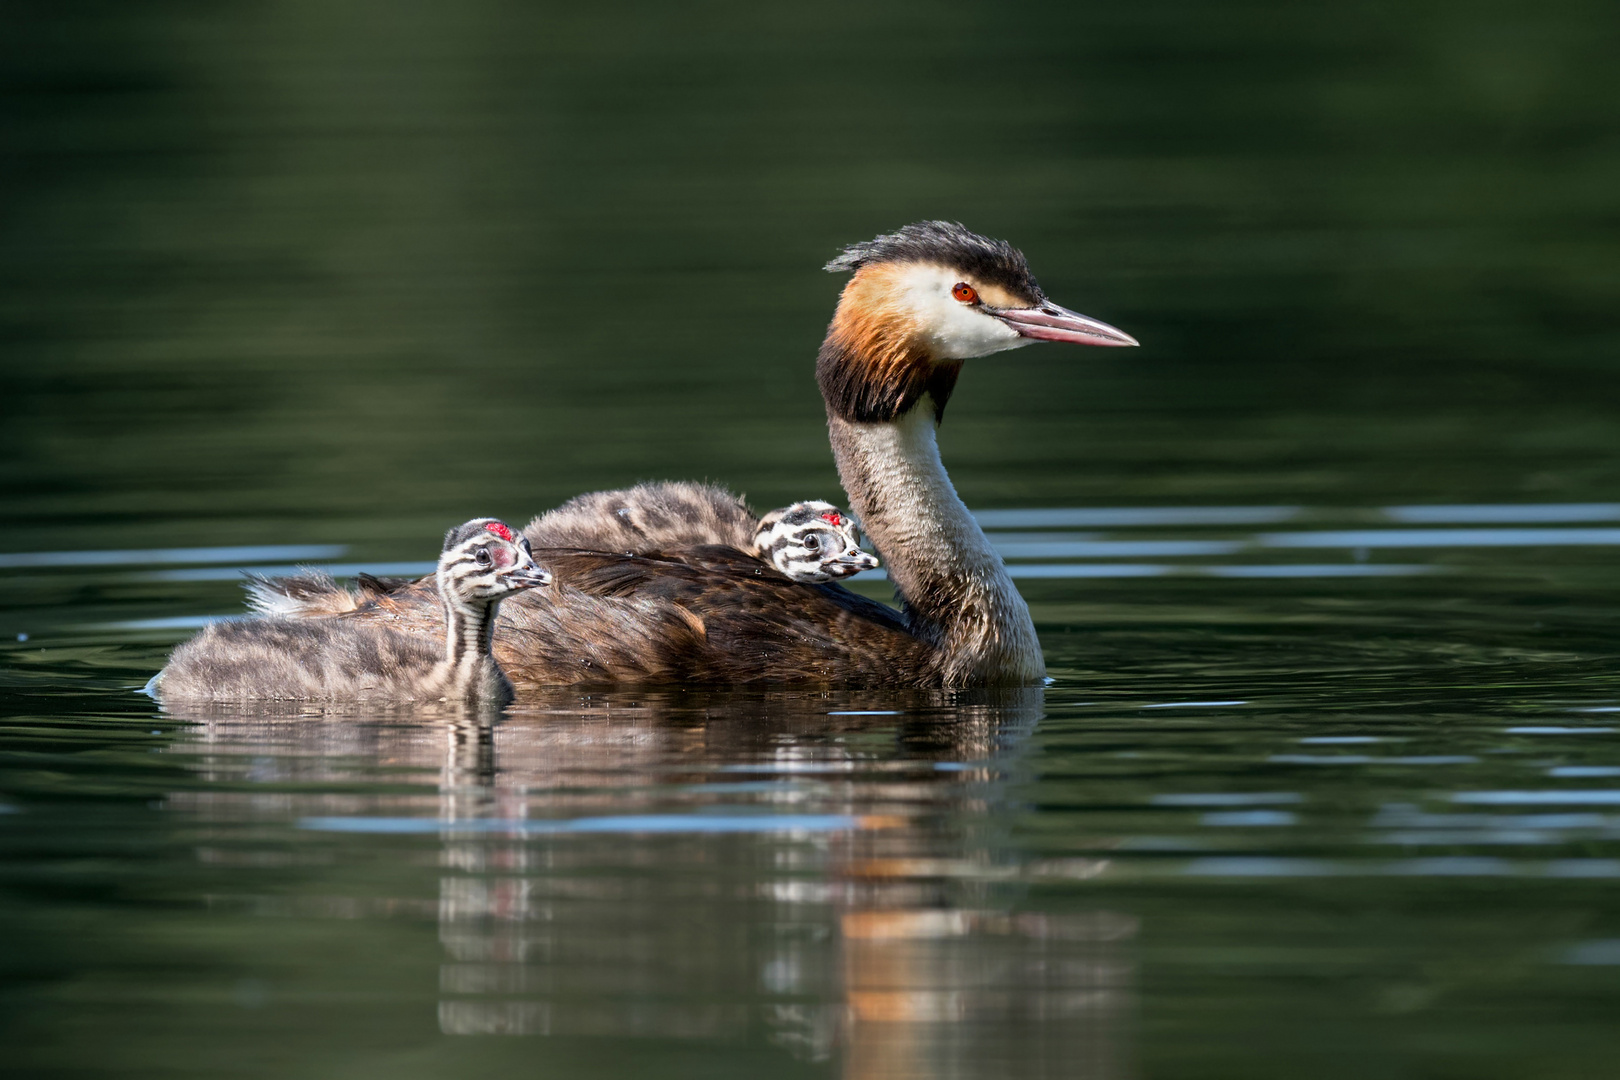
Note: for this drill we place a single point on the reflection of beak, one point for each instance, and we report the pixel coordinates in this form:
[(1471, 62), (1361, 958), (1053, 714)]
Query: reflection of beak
[(1049, 322), (528, 577)]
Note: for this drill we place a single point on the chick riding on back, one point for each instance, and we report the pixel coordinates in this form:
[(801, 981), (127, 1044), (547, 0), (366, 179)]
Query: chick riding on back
[(812, 542)]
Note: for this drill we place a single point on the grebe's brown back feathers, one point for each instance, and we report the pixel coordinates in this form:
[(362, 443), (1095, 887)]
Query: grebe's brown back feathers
[(658, 516), (714, 615)]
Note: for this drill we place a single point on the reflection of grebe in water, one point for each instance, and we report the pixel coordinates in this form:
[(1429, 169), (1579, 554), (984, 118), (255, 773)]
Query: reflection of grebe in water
[(919, 303), (336, 658), (911, 937)]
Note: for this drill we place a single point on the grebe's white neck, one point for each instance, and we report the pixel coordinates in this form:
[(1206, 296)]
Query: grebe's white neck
[(958, 595)]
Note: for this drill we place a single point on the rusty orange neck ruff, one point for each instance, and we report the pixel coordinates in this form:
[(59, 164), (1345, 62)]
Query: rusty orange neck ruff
[(874, 364)]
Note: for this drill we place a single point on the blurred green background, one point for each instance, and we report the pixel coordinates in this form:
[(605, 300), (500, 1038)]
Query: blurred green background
[(349, 271)]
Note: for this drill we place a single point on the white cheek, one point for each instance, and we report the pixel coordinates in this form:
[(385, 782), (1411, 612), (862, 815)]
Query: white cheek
[(964, 332), (955, 330)]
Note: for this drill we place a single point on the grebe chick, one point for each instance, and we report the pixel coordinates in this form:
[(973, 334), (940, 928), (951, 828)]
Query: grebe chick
[(812, 542), (343, 659)]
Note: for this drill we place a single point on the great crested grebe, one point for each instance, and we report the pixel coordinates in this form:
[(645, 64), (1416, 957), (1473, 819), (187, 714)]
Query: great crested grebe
[(340, 659), (919, 303)]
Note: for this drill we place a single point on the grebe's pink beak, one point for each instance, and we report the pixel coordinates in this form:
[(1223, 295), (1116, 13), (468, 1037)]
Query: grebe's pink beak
[(1051, 322)]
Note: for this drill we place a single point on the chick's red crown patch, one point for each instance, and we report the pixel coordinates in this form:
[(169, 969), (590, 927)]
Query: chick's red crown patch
[(832, 516), (500, 529)]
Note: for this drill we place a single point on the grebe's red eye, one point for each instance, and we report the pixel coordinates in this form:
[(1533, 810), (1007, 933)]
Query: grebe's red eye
[(965, 293)]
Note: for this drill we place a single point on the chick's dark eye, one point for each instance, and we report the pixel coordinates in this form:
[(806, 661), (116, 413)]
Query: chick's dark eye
[(813, 542), (482, 558), (965, 293)]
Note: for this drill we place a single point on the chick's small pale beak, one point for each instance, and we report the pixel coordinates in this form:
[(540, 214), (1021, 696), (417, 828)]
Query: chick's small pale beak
[(529, 577), (1051, 322)]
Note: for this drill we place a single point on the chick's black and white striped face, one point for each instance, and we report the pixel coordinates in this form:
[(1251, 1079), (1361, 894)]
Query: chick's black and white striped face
[(812, 542), (484, 561)]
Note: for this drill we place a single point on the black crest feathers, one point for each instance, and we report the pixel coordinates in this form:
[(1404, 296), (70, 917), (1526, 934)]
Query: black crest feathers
[(949, 243)]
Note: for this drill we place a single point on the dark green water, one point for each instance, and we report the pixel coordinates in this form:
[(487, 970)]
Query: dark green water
[(1324, 785)]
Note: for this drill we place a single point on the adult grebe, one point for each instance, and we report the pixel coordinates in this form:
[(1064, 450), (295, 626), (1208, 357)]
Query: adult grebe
[(339, 659), (920, 302)]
